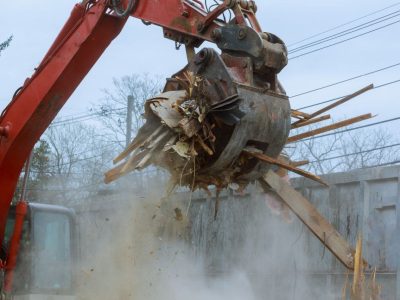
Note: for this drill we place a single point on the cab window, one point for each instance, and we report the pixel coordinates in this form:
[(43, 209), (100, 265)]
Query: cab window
[(52, 269)]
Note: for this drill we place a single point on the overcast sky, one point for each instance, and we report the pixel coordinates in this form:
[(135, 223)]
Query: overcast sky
[(141, 49)]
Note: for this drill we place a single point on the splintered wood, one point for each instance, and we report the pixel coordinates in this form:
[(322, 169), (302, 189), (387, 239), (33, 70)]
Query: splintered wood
[(290, 167), (183, 131), (328, 128), (307, 117), (361, 289), (179, 135), (311, 121)]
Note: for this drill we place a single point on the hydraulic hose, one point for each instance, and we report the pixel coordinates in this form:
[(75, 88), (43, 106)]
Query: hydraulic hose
[(119, 11)]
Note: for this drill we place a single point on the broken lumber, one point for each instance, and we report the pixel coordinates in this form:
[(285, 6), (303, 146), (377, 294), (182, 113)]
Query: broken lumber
[(339, 102), (334, 126), (311, 121), (261, 156), (137, 142), (299, 163), (300, 115), (310, 216)]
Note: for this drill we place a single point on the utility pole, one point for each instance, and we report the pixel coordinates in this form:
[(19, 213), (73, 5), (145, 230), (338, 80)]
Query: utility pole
[(129, 120)]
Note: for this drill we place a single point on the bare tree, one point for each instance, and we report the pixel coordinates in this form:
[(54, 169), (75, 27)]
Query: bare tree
[(79, 157), (113, 108), (316, 151), (369, 148), (346, 150), (5, 44), (80, 152)]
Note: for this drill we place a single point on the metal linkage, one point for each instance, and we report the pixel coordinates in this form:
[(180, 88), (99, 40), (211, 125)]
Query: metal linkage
[(121, 12)]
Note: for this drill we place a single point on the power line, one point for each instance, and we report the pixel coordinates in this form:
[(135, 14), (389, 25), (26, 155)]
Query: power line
[(83, 159), (94, 114), (81, 188), (61, 122), (85, 117), (385, 164), (355, 153), (141, 173), (344, 24), (75, 161), (346, 80), (349, 129), (345, 40), (75, 115), (347, 31), (85, 187), (337, 98), (80, 115), (54, 173), (386, 84), (73, 122)]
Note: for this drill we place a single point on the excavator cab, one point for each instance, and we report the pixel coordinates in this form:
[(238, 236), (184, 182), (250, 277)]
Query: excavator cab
[(48, 252)]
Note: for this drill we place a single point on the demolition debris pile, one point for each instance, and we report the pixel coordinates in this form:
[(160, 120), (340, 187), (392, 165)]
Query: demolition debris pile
[(186, 132), (180, 135)]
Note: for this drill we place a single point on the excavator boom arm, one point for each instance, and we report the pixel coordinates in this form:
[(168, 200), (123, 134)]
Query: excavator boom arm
[(81, 42)]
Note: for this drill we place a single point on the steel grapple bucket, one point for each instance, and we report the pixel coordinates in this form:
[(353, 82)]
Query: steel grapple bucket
[(207, 115)]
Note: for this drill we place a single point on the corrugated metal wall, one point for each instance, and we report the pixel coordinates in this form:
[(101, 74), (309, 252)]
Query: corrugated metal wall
[(359, 202), (363, 202), (283, 260)]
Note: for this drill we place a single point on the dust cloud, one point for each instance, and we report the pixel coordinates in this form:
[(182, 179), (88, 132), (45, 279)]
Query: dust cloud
[(136, 247)]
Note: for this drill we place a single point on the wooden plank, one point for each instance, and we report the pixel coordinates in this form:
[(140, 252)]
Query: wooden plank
[(311, 217), (137, 161), (358, 270), (341, 124), (136, 143), (116, 172), (149, 149), (339, 102), (311, 121), (299, 163), (279, 163), (299, 114)]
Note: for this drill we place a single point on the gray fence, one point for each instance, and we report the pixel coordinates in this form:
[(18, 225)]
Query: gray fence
[(359, 202), (281, 259)]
